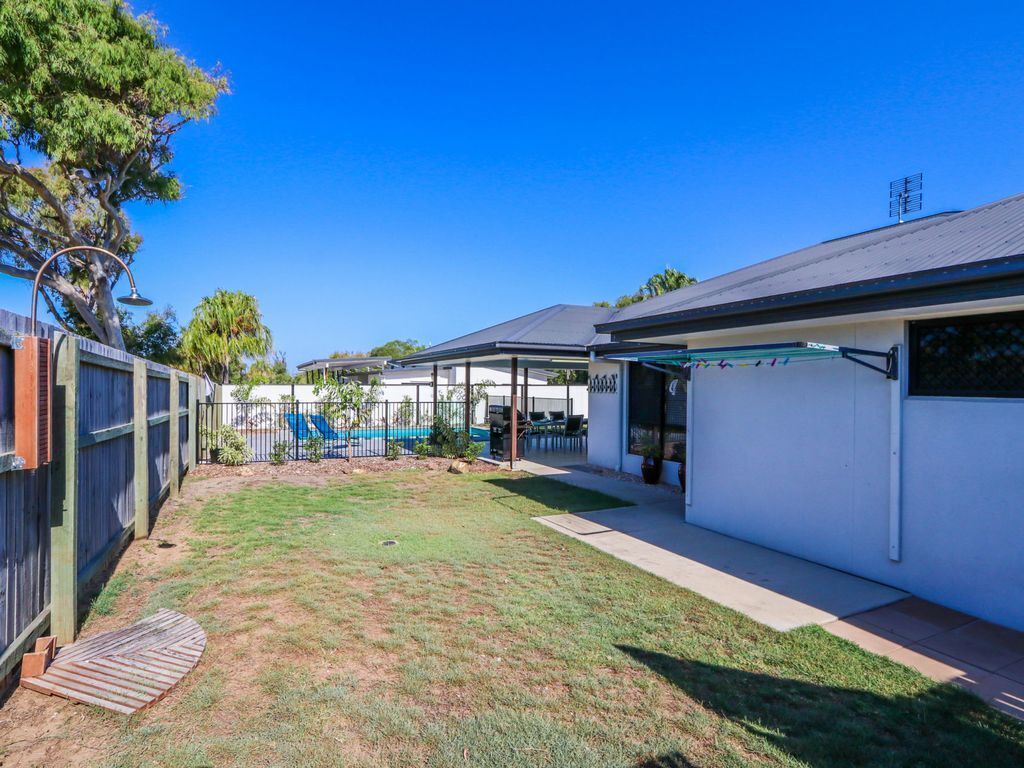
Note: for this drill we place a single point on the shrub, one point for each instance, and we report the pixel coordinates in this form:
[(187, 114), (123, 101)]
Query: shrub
[(279, 453), (394, 450), (422, 449), (229, 446), (315, 449), (473, 451)]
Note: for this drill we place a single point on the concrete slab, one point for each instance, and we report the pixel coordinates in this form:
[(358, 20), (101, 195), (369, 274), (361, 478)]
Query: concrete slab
[(576, 524), (779, 590)]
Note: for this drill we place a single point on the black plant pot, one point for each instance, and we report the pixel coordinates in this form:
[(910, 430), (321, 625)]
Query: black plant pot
[(651, 470)]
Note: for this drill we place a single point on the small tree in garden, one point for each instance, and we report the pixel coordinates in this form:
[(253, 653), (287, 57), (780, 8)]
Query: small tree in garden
[(345, 404)]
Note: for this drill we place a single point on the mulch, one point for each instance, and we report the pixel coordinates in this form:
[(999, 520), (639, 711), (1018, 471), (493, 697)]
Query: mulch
[(334, 468)]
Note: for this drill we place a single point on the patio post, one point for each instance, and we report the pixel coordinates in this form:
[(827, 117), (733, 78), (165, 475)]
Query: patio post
[(568, 404), (515, 414), (526, 391), (433, 380), (469, 401), (141, 439), (64, 492)]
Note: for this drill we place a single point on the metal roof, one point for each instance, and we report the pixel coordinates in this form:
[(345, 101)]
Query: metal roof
[(975, 244), (561, 331), (344, 363)]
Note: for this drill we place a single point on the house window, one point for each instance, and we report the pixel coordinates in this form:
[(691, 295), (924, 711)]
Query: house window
[(977, 356), (657, 411)]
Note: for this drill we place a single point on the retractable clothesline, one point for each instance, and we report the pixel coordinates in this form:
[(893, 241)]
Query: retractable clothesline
[(763, 355)]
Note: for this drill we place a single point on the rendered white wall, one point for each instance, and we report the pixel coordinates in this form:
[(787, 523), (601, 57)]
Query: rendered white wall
[(604, 428), (797, 459)]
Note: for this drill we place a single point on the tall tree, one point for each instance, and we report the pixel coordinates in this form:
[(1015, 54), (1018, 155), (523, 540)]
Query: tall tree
[(226, 330), (90, 99), (397, 348), (156, 338)]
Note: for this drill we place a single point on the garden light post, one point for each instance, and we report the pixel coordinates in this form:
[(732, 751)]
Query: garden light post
[(133, 299)]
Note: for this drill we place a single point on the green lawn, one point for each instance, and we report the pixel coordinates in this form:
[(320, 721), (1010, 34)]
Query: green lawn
[(485, 639)]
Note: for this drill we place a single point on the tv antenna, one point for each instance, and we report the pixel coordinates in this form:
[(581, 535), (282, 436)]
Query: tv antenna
[(905, 196)]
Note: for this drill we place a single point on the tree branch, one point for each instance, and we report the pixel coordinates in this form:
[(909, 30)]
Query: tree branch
[(36, 184)]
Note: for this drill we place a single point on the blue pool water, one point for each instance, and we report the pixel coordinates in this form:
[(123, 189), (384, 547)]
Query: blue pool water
[(409, 433)]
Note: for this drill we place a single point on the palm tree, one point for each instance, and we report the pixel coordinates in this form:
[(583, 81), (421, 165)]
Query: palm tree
[(226, 329), (664, 282)]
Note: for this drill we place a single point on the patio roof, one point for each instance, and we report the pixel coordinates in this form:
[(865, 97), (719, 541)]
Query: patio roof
[(345, 364), (556, 337)]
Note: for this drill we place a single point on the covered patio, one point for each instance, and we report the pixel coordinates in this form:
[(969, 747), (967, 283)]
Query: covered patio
[(555, 338)]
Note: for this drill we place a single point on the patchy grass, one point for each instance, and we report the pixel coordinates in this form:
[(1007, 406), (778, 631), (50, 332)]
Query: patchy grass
[(485, 639), (106, 600)]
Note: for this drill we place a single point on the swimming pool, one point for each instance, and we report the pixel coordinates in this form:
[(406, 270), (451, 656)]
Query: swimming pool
[(410, 433)]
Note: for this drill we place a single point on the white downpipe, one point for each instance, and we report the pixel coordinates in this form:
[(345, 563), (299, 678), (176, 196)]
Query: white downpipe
[(623, 412), (688, 496), (896, 390)]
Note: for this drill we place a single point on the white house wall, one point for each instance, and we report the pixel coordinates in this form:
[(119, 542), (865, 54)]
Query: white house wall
[(797, 458)]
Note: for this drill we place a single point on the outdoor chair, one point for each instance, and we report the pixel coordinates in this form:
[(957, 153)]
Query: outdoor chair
[(335, 439), (556, 415), (574, 432), (299, 426)]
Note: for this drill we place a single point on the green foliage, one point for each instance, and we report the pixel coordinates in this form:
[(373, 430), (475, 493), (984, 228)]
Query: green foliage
[(226, 329), (406, 411), (394, 450), (269, 370), (156, 338), (450, 443), (90, 100), (279, 452), (345, 404), (422, 449), (472, 450), (314, 449), (229, 444), (397, 348), (656, 285), (651, 451), (564, 377)]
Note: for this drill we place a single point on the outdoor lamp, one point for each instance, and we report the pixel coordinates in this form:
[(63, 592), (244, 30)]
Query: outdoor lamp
[(133, 299)]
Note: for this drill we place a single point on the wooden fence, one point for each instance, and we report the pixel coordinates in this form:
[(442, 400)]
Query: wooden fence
[(123, 437)]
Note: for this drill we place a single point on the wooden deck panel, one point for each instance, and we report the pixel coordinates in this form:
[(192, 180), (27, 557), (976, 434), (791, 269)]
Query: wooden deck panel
[(127, 669)]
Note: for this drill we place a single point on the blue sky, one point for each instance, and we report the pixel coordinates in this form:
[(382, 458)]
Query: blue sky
[(424, 169)]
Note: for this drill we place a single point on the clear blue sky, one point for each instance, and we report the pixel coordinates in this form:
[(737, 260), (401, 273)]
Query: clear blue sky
[(424, 169)]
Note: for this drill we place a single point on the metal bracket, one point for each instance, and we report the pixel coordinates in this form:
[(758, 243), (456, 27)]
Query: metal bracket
[(891, 369), (666, 371), (10, 462), (12, 340)]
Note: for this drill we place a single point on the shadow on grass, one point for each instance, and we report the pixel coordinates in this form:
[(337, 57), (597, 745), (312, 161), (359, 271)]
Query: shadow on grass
[(552, 494), (829, 726), (669, 760)]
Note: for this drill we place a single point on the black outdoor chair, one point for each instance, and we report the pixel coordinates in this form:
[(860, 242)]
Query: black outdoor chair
[(556, 415), (574, 432)]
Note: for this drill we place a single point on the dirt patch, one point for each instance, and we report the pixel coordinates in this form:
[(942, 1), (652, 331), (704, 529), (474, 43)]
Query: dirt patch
[(308, 472)]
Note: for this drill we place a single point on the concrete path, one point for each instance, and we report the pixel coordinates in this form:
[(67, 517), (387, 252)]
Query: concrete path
[(785, 592), (779, 590)]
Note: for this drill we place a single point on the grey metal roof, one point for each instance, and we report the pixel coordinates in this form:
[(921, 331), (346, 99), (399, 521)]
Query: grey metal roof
[(564, 329), (943, 241), (342, 363)]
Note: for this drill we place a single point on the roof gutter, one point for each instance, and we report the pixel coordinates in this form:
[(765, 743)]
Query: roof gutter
[(492, 348), (994, 278)]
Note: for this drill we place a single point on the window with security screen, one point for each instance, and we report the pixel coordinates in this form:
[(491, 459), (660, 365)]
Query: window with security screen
[(657, 411), (976, 356)]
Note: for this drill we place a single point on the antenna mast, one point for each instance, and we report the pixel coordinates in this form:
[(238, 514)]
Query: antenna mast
[(905, 196)]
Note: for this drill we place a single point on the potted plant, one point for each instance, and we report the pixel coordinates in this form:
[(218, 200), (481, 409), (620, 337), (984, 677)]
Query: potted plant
[(651, 466)]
